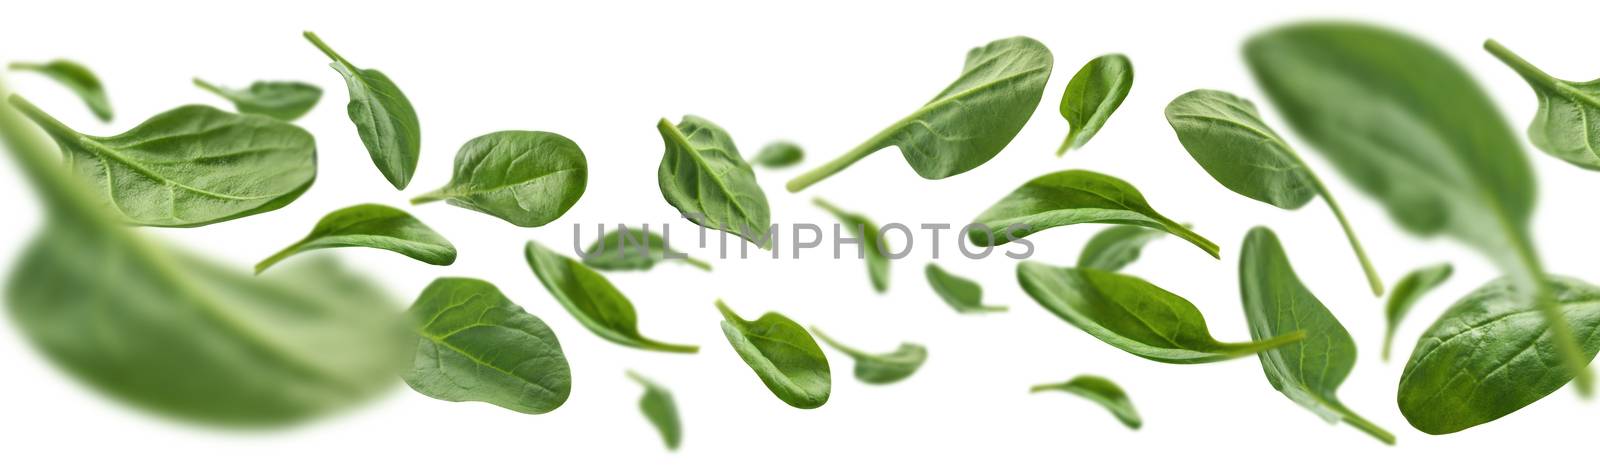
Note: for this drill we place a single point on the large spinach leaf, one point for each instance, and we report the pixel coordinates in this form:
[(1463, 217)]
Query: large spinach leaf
[(372, 226), (969, 122), (190, 166), (1407, 125), (528, 178), (782, 354), (591, 299), (1092, 95), (1073, 197), (383, 117), (474, 344), (702, 175)]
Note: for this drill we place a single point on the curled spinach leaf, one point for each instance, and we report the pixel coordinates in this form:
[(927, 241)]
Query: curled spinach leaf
[(969, 122), (782, 354), (1073, 197), (1101, 391), (528, 178), (285, 101), (702, 175), (189, 166), (372, 226), (1134, 316), (1276, 303), (1092, 95), (872, 245), (1406, 293), (963, 295), (633, 249), (881, 369), (659, 408), (474, 344), (1564, 126), (77, 78), (383, 117), (591, 299)]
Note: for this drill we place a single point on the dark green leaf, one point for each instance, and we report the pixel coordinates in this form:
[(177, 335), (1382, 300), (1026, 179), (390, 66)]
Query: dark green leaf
[(528, 178), (372, 226), (660, 410), (1493, 353), (778, 154), (190, 166), (1072, 197), (782, 354), (285, 101), (634, 249), (881, 369), (1225, 134), (383, 117), (1407, 125), (872, 245), (702, 175), (77, 78), (1115, 247), (474, 344), (965, 296), (1276, 303), (1133, 315), (1092, 95), (1406, 293), (969, 122), (1103, 392), (163, 330), (1565, 125), (598, 305)]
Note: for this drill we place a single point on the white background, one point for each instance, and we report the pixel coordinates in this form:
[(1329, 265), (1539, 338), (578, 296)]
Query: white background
[(826, 75)]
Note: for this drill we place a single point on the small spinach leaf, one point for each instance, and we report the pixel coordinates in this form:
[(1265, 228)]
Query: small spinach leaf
[(660, 410), (1226, 135), (591, 299), (474, 344), (782, 354), (1406, 293), (631, 249), (190, 166), (383, 117), (77, 78), (963, 295), (1564, 127), (969, 122), (528, 178), (702, 175), (881, 369), (1092, 95), (1072, 197), (1407, 125), (778, 155), (1276, 303), (1133, 315), (1490, 355), (1103, 392), (372, 226), (872, 244), (285, 101), (1115, 247)]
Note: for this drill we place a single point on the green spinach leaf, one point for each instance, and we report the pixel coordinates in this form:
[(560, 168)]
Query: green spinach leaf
[(1406, 293), (1407, 125), (969, 122), (77, 78), (1133, 315), (190, 166), (778, 155), (166, 331), (1103, 392), (474, 344), (1490, 354), (1115, 247), (1276, 303), (383, 117), (782, 354), (528, 178), (1226, 135), (591, 299), (872, 244), (1072, 197), (1092, 95), (633, 249), (1564, 126), (372, 226), (702, 175), (963, 295), (285, 101), (660, 410), (881, 369)]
